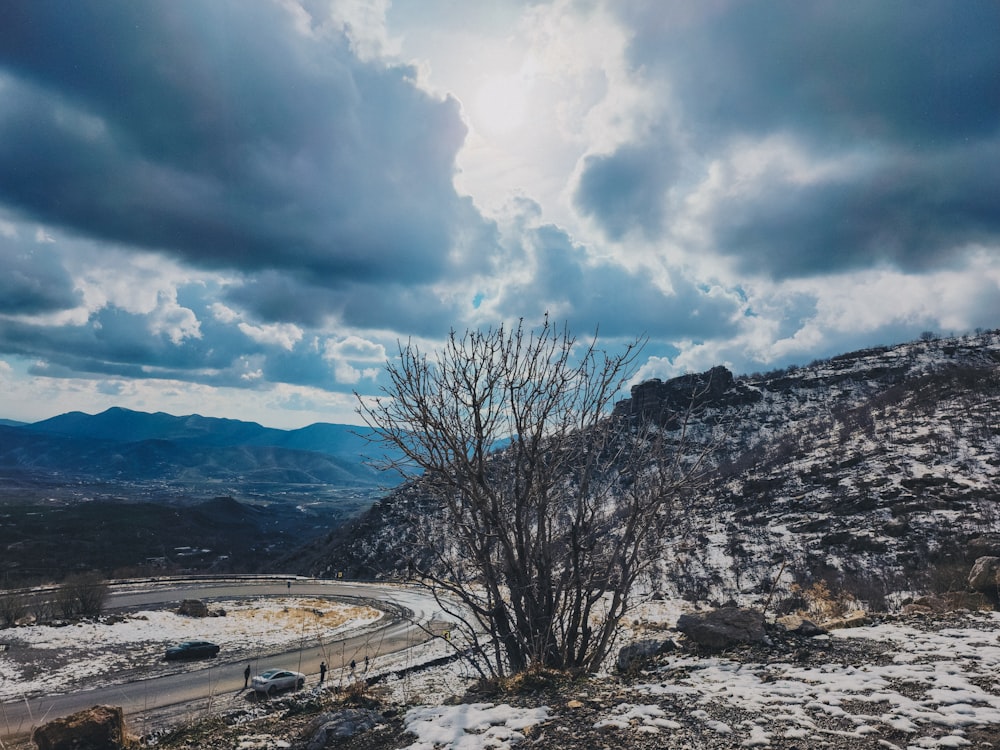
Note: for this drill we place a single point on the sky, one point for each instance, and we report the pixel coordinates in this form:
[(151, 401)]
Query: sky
[(241, 208)]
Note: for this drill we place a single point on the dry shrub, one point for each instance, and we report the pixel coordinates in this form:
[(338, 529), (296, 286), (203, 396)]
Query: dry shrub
[(822, 603)]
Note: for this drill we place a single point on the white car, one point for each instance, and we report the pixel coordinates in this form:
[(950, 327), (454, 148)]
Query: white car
[(273, 680)]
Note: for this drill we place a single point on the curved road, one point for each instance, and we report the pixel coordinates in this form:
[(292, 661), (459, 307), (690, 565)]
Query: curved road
[(218, 684)]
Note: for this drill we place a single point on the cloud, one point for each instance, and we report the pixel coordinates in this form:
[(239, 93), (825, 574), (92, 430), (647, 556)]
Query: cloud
[(625, 190), (261, 199), (848, 70), (33, 280), (913, 214), (904, 96), (285, 335), (562, 278), (224, 135), (356, 348)]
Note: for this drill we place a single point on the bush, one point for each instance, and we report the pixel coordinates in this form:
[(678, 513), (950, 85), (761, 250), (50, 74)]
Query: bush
[(82, 596), (13, 606)]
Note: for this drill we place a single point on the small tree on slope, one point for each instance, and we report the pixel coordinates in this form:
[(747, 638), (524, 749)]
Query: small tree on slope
[(542, 539)]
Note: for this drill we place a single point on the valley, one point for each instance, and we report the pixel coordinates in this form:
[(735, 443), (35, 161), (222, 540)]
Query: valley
[(127, 493)]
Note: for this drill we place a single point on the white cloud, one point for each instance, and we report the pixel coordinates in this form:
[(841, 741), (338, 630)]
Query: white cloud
[(42, 236), (223, 314), (285, 335), (176, 322), (346, 373), (355, 348)]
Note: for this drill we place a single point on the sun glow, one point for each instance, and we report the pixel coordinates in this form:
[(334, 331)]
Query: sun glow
[(500, 105)]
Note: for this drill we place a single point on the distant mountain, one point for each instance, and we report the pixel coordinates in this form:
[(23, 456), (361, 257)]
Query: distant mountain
[(876, 471), (124, 445), (347, 442), (125, 425), (11, 423), (343, 441)]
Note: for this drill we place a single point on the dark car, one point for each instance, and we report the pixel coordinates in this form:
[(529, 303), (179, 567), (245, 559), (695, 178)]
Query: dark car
[(191, 650)]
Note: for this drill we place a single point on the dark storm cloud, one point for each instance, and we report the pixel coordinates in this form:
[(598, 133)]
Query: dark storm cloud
[(913, 88), (32, 280), (914, 214), (625, 189), (112, 341), (418, 309), (218, 133), (895, 70)]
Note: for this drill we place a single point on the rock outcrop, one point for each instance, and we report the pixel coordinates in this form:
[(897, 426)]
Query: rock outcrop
[(665, 401), (636, 655)]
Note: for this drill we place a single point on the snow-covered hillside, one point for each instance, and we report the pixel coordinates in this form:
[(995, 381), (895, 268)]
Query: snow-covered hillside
[(875, 471)]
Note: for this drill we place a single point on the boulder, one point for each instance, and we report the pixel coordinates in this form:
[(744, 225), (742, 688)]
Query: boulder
[(985, 575), (723, 628), (338, 725), (97, 728), (633, 656), (193, 608)]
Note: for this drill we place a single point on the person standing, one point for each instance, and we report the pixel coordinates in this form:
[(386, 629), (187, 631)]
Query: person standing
[(246, 677), (322, 672)]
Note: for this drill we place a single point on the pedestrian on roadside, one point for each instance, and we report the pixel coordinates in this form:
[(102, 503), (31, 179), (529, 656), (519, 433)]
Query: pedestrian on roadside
[(322, 672), (366, 663), (246, 677), (353, 665)]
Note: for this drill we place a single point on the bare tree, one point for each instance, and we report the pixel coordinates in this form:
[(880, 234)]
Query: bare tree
[(548, 509)]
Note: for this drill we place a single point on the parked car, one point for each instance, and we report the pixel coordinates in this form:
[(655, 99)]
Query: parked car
[(273, 680), (191, 650)]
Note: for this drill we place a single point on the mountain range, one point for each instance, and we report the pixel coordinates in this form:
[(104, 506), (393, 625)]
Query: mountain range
[(124, 445)]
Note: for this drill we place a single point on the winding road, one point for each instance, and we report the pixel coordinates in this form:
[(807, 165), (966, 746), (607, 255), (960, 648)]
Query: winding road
[(218, 684)]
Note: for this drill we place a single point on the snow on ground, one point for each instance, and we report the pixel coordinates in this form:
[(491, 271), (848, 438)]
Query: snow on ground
[(470, 726), (945, 680), (44, 659), (934, 687)]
